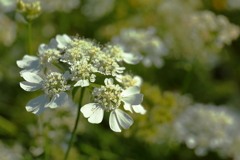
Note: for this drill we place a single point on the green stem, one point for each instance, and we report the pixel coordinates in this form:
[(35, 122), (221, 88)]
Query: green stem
[(29, 38), (46, 147), (188, 78), (76, 124)]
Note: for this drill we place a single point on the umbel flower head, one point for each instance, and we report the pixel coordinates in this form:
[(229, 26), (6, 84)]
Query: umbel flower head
[(69, 62)]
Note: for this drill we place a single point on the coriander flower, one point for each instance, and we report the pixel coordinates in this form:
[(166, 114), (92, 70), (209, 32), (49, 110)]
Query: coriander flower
[(117, 52), (128, 81), (109, 98), (82, 72), (54, 86), (47, 54)]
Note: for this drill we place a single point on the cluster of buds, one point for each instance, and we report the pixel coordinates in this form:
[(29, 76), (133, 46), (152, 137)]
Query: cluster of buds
[(30, 11), (69, 62)]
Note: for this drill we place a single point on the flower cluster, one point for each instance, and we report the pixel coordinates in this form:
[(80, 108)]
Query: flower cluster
[(213, 131), (213, 28), (96, 9), (144, 44), (68, 62)]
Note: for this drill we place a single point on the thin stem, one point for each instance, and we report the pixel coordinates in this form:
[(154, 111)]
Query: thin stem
[(46, 146), (188, 78), (76, 124), (29, 38)]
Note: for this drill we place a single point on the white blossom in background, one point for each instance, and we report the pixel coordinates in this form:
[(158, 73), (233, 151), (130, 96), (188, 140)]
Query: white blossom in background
[(109, 98), (233, 4), (60, 5), (7, 5), (193, 38), (206, 128), (82, 61), (11, 153), (96, 9), (142, 43), (213, 28), (8, 30)]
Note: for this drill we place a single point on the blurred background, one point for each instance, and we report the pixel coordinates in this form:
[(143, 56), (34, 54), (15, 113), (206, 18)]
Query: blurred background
[(190, 71)]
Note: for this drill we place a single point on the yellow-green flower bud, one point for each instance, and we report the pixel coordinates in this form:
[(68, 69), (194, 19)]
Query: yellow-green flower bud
[(30, 11), (21, 7)]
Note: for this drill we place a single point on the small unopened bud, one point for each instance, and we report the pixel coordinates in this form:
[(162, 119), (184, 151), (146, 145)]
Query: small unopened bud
[(30, 11)]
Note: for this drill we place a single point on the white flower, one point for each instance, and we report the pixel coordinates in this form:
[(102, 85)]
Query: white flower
[(47, 54), (128, 81), (118, 53), (82, 72), (54, 85), (142, 43), (109, 98), (206, 127)]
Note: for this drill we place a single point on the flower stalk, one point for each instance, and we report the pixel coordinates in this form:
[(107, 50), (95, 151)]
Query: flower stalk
[(76, 124), (29, 38)]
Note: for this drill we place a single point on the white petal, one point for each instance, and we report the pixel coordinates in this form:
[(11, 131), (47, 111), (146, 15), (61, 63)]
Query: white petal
[(96, 116), (138, 80), (28, 61), (132, 58), (108, 81), (53, 43), (28, 86), (130, 91), (147, 62), (42, 48), (134, 99), (139, 109), (66, 75), (33, 69), (57, 100), (120, 69), (127, 107), (87, 109), (32, 77), (119, 118), (63, 40), (93, 112), (119, 78), (37, 104), (113, 122), (82, 83)]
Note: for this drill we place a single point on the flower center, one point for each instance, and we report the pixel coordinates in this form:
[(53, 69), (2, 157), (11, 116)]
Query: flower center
[(49, 56), (108, 96), (83, 70), (128, 81), (55, 83), (105, 64)]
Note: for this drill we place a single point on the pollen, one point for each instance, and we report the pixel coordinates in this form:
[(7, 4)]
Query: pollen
[(55, 83), (108, 96)]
